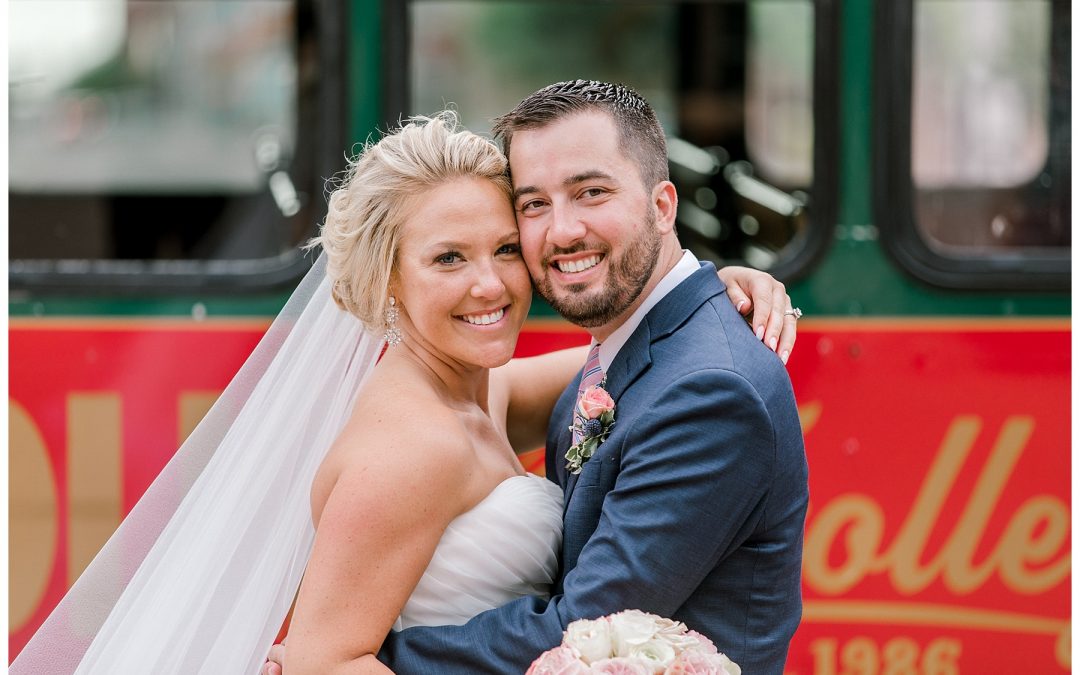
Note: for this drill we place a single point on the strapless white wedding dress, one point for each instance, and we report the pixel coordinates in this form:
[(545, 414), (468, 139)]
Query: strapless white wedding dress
[(505, 547)]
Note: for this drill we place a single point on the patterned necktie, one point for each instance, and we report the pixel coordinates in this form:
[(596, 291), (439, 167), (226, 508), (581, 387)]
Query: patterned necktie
[(592, 374)]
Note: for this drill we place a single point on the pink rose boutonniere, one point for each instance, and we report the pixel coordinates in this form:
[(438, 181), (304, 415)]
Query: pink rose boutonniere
[(594, 416)]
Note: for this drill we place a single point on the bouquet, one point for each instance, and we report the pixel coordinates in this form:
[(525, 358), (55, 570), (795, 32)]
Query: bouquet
[(633, 642)]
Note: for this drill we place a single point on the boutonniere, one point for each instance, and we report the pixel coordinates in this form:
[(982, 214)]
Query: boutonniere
[(593, 418)]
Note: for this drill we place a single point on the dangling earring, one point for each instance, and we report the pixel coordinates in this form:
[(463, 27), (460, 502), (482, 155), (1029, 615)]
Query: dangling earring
[(393, 333)]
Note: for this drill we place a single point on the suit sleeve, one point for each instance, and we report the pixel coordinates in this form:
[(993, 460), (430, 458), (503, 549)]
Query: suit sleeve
[(691, 486)]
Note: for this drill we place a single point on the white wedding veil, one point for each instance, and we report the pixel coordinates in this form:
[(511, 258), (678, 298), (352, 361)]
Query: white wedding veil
[(200, 575)]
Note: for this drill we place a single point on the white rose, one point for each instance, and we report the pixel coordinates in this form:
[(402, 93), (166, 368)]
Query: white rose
[(630, 628), (730, 666), (668, 626), (592, 639), (657, 653), (680, 642)]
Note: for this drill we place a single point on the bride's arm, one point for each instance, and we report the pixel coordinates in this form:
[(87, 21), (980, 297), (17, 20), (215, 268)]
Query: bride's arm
[(530, 386), (376, 535)]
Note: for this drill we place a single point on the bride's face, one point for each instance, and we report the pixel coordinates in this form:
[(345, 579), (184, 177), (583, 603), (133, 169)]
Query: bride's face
[(463, 288)]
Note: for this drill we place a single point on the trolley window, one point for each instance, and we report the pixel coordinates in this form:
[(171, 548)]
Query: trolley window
[(974, 96), (743, 89), (162, 143)]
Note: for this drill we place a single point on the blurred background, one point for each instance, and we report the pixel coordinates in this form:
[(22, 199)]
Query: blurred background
[(903, 165)]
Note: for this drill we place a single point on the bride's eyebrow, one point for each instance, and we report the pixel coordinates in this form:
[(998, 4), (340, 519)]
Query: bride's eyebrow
[(458, 245), (445, 246)]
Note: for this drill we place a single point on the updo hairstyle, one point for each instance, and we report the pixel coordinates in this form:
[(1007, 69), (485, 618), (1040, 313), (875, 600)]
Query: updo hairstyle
[(363, 227)]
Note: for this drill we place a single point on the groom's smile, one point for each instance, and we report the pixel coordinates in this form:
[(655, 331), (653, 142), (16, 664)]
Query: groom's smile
[(577, 265), (577, 270)]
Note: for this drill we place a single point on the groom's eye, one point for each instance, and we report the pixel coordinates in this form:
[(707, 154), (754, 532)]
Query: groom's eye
[(531, 206)]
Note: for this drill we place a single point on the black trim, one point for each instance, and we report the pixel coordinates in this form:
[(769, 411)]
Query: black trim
[(811, 245), (396, 48), (149, 277), (894, 193), (321, 119)]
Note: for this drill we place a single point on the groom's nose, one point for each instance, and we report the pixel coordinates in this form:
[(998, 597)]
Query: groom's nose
[(566, 226)]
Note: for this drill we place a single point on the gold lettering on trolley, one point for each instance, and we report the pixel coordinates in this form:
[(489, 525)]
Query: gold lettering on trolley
[(901, 655), (1036, 533), (1030, 557), (863, 521), (942, 616), (32, 525), (902, 559), (95, 478), (954, 563), (1020, 545)]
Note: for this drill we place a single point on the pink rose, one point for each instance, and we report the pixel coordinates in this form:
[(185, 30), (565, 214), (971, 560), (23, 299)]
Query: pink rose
[(693, 662), (594, 402), (620, 665), (558, 661)]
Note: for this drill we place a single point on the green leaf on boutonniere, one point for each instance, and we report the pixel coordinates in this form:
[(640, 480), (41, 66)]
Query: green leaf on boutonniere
[(592, 433), (578, 454)]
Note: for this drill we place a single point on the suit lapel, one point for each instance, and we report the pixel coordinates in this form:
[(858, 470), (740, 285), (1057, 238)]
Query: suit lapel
[(635, 357), (683, 300)]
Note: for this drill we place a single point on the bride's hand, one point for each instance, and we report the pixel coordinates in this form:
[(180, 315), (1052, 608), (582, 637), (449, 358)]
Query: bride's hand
[(751, 289)]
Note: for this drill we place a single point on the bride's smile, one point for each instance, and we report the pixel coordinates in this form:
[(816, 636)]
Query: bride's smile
[(462, 286), (485, 318)]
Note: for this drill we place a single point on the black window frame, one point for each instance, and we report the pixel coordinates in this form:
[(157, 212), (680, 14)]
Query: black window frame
[(1037, 269), (321, 131), (810, 245)]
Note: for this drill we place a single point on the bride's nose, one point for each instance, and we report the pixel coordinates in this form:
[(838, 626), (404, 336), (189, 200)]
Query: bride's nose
[(487, 283)]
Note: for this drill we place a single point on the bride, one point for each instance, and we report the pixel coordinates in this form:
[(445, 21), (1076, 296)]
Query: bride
[(422, 513)]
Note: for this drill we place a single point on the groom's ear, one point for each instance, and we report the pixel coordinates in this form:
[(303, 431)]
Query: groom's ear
[(666, 201)]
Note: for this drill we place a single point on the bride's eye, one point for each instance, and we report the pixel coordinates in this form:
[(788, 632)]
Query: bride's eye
[(509, 249), (448, 258)]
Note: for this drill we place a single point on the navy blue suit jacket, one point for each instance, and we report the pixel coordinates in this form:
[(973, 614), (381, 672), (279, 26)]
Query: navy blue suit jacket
[(693, 508)]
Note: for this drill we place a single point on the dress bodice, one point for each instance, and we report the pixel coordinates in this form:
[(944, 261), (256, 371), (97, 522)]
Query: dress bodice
[(505, 547)]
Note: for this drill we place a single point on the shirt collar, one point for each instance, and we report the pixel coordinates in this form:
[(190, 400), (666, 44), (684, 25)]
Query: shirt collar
[(687, 265)]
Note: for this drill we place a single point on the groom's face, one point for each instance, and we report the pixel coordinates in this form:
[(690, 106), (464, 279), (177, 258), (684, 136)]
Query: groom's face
[(587, 224)]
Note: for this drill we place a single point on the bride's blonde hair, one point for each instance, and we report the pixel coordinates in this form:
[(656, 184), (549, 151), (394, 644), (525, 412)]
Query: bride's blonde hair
[(362, 230)]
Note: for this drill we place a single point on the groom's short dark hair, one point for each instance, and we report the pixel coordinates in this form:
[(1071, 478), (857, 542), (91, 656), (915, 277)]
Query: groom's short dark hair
[(641, 138)]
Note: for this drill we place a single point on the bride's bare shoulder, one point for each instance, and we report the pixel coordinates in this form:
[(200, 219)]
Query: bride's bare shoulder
[(401, 436), (409, 416)]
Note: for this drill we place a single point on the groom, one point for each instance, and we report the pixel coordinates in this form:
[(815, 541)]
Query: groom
[(693, 505)]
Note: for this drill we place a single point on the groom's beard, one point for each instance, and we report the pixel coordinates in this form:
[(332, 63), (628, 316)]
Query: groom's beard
[(627, 276)]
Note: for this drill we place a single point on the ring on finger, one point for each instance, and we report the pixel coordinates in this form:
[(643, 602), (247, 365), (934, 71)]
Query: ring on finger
[(795, 312)]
